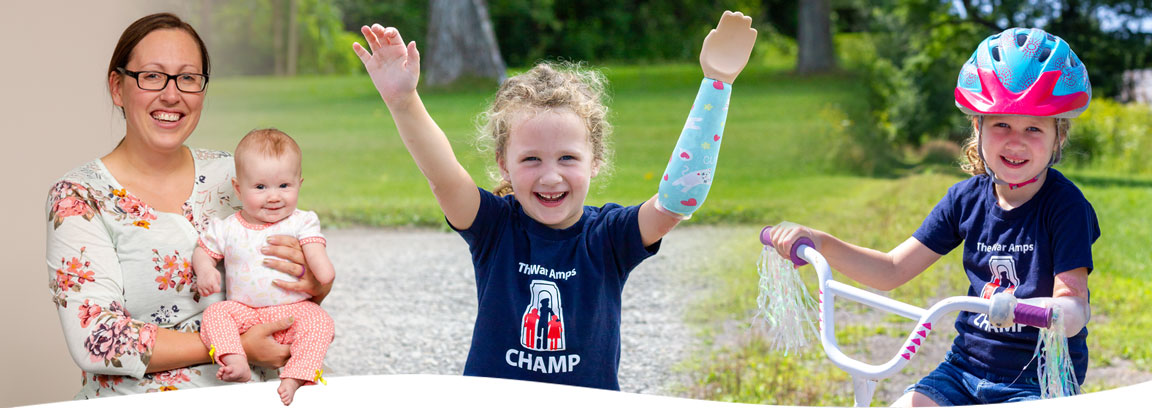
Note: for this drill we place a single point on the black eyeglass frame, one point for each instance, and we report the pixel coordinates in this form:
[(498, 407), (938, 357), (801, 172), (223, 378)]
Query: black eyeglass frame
[(169, 78)]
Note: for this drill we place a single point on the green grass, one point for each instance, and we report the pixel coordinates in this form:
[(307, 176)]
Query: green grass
[(780, 134), (357, 171)]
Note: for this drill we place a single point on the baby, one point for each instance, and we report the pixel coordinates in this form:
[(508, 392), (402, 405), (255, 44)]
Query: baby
[(267, 182)]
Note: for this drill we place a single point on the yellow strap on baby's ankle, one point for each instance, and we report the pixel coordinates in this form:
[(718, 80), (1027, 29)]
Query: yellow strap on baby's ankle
[(212, 353), (318, 378)]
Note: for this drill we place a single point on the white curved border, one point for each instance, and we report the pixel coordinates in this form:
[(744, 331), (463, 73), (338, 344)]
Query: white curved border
[(447, 390)]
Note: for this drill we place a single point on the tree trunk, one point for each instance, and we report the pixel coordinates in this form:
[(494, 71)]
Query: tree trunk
[(293, 39), (278, 51), (461, 43), (205, 27), (814, 38)]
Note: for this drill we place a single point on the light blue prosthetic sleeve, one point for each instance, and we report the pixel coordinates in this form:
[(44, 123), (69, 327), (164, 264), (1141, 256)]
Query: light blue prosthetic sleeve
[(688, 177)]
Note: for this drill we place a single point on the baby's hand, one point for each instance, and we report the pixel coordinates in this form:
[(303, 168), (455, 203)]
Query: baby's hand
[(394, 68), (727, 48), (208, 283)]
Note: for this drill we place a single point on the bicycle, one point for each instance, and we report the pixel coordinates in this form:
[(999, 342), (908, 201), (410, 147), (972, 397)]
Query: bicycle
[(1002, 310)]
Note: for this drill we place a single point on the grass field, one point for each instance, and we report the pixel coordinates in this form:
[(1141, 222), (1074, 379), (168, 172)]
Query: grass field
[(774, 166), (357, 171)]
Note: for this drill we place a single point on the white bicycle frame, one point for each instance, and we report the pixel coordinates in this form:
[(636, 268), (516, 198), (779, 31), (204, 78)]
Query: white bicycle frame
[(864, 375)]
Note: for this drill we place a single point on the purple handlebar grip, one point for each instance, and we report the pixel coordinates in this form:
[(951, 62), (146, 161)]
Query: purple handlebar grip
[(1032, 315), (766, 239)]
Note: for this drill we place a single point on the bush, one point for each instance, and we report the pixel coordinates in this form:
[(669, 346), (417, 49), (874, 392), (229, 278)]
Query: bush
[(1113, 137)]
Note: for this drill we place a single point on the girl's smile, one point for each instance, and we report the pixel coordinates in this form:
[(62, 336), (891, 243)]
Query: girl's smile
[(1018, 148), (549, 161)]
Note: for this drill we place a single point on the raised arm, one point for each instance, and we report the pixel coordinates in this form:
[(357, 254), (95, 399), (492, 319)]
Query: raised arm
[(395, 71), (880, 270), (688, 177)]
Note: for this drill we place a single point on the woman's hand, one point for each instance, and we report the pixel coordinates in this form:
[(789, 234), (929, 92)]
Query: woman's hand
[(292, 262), (727, 48), (262, 349), (393, 67)]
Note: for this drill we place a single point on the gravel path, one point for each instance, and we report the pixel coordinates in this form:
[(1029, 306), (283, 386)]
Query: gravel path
[(405, 303)]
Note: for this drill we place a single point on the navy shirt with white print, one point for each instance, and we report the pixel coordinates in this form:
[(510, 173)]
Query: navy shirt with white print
[(549, 300), (1019, 251)]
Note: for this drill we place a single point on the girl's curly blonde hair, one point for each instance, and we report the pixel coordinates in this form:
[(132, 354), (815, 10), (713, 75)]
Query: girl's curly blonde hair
[(547, 86), (975, 166)]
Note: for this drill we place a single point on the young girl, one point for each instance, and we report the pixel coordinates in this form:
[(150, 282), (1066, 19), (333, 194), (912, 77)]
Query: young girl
[(267, 183), (1026, 229), (549, 270)]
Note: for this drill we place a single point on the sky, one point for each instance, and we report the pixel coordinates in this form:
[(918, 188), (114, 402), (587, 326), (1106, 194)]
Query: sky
[(1108, 18)]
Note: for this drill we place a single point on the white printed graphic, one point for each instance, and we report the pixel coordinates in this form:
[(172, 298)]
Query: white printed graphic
[(693, 178), (692, 123), (1003, 276)]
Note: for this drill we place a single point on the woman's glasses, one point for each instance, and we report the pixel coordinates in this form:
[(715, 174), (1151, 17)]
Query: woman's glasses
[(156, 81)]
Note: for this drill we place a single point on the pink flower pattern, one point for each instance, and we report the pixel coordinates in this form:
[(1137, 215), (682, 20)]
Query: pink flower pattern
[(175, 272), (69, 199), (116, 336), (172, 377), (106, 334), (88, 313), (135, 208), (71, 274)]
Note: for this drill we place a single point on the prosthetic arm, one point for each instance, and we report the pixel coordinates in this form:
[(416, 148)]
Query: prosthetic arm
[(688, 177)]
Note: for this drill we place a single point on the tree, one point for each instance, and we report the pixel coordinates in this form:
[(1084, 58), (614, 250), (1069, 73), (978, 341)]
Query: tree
[(814, 38), (274, 37), (920, 45), (461, 43)]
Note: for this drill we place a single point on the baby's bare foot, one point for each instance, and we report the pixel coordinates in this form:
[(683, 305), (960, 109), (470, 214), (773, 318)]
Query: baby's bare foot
[(234, 369), (288, 388)]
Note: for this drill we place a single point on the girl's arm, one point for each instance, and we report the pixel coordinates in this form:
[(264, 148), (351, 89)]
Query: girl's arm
[(395, 71), (880, 270), (686, 181), (1070, 294)]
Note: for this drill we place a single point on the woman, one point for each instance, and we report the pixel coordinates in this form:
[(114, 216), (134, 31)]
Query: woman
[(122, 229)]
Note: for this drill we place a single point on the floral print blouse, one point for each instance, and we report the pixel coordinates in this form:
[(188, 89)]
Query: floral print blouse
[(119, 270)]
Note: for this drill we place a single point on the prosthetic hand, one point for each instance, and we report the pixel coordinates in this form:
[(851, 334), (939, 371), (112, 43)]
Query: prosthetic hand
[(686, 181)]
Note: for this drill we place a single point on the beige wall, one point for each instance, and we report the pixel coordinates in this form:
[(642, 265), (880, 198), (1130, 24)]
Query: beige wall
[(56, 114)]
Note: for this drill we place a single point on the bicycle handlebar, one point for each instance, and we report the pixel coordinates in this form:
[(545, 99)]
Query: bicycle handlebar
[(794, 254), (1034, 316), (804, 252)]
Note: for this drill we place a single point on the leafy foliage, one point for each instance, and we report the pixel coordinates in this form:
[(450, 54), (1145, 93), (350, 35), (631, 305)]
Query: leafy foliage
[(1113, 137), (241, 36), (919, 46)]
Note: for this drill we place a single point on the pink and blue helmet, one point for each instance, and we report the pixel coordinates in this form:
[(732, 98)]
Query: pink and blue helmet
[(1023, 71)]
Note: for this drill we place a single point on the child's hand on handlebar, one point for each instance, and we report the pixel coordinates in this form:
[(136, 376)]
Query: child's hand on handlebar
[(785, 234)]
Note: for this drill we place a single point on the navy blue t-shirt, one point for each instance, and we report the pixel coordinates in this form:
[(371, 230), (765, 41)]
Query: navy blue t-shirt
[(1020, 251), (550, 299)]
